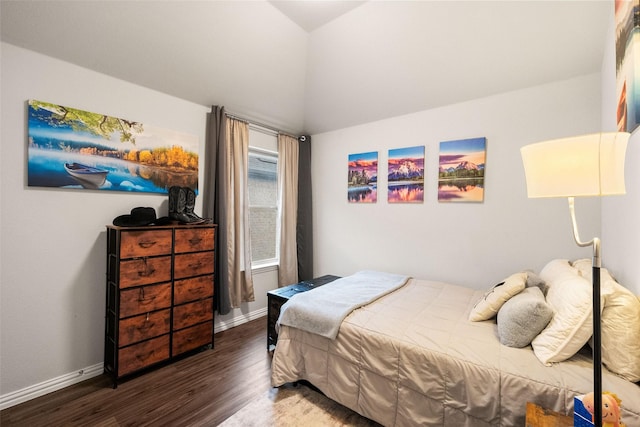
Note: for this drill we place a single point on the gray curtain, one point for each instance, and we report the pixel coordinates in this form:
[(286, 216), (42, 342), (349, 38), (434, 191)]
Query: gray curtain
[(304, 229), (213, 196)]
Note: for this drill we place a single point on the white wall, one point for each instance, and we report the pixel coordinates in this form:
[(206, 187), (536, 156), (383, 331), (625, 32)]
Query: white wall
[(53, 241), (620, 224), (472, 244), (52, 249)]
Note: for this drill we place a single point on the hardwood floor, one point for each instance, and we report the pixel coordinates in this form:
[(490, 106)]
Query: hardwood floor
[(201, 390)]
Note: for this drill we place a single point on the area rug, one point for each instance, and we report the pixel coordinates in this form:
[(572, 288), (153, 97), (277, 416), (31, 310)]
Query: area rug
[(295, 406)]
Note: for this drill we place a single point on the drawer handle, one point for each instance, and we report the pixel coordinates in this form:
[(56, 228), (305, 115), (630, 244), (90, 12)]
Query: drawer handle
[(196, 265), (148, 270), (142, 299), (145, 356), (145, 244), (147, 325), (194, 241)]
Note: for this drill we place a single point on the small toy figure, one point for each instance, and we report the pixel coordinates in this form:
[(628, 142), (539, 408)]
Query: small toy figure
[(610, 408)]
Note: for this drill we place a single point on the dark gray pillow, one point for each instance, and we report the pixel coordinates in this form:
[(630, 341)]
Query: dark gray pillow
[(523, 317)]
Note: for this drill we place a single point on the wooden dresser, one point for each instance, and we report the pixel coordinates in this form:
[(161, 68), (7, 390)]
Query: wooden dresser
[(159, 304)]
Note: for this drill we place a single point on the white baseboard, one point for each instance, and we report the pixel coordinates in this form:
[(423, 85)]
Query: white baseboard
[(239, 320), (46, 387), (20, 396)]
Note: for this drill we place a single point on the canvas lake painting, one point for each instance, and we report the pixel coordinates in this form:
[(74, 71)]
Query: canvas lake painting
[(74, 149), (461, 170), (405, 176), (363, 178), (627, 64)]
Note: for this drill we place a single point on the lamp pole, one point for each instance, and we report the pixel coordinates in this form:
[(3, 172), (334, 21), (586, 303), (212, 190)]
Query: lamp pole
[(597, 336)]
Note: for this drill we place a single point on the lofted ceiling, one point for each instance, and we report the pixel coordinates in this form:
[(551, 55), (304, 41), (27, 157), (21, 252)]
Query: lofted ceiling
[(316, 66), (312, 14)]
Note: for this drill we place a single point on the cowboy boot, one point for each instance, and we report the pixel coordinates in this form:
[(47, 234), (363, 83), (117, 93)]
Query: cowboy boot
[(190, 205), (173, 200), (177, 204)]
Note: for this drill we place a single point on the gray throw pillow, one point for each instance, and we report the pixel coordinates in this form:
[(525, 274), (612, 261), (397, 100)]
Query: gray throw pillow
[(534, 280), (523, 317)]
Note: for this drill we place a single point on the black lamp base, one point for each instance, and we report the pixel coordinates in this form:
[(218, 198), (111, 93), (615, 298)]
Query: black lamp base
[(597, 349)]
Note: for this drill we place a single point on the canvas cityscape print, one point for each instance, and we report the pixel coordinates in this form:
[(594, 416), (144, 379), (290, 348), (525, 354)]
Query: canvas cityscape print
[(70, 148), (461, 170), (363, 178), (406, 175)]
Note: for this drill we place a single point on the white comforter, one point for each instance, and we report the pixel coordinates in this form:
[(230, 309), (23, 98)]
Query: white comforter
[(412, 358)]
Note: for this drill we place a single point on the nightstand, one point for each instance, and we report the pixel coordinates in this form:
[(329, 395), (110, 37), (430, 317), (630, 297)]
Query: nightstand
[(277, 297), (540, 417)]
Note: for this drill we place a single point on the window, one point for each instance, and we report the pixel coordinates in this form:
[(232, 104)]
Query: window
[(263, 205)]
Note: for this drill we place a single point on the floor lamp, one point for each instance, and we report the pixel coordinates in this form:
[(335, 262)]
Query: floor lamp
[(582, 166)]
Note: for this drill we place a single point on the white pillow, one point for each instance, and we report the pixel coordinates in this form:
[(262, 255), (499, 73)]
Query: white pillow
[(488, 306), (620, 324), (569, 296)]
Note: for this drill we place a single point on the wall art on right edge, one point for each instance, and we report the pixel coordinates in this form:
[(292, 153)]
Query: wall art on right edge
[(627, 64), (363, 178), (461, 172)]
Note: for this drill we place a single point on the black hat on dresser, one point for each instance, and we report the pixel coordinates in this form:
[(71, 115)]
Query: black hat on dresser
[(140, 217)]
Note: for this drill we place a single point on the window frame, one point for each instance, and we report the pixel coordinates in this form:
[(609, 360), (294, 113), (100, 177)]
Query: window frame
[(268, 263)]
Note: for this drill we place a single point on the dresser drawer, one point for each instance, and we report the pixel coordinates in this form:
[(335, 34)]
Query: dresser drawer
[(193, 289), (141, 243), (187, 265), (143, 327), (195, 312), (195, 239), (144, 299), (144, 271), (143, 354), (192, 338)]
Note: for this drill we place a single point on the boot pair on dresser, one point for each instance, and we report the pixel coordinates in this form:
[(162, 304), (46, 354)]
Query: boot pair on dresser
[(182, 201)]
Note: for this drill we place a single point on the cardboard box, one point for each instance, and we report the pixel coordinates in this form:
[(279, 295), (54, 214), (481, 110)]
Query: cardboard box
[(581, 417)]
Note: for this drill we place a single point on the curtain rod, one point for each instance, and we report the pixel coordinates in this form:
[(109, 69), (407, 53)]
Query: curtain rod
[(260, 125)]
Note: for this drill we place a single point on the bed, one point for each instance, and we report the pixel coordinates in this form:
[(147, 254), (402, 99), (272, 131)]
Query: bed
[(413, 357)]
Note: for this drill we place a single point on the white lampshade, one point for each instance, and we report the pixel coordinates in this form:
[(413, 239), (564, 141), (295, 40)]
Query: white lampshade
[(589, 165)]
